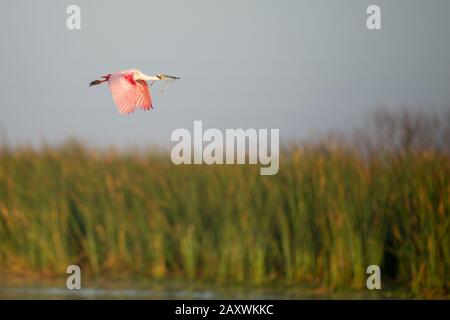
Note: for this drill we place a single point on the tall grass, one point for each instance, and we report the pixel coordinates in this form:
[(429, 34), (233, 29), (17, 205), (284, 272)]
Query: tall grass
[(333, 209)]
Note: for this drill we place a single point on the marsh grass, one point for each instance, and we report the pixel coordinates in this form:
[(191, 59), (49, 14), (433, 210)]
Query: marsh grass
[(332, 210)]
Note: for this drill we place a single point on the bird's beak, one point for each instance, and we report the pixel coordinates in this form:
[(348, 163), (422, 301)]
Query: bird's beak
[(158, 77), (167, 77)]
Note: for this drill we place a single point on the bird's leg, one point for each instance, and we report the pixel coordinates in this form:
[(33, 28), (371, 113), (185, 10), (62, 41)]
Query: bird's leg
[(96, 82)]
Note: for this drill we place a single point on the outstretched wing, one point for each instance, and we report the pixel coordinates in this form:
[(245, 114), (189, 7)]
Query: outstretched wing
[(128, 93), (144, 100)]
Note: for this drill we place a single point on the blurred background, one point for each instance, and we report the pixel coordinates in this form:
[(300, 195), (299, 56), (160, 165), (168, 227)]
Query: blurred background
[(363, 117)]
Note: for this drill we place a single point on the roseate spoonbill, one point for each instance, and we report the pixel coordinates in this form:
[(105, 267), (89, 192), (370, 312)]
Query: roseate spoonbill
[(129, 88)]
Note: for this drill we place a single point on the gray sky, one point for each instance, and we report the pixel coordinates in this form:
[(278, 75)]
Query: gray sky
[(304, 67)]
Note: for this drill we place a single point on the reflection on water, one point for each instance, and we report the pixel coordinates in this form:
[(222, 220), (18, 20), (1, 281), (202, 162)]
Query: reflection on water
[(101, 289)]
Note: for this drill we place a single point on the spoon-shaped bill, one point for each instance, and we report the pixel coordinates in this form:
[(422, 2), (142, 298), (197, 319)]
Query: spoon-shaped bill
[(167, 77)]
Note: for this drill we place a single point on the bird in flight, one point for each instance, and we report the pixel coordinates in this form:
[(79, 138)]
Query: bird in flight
[(130, 90)]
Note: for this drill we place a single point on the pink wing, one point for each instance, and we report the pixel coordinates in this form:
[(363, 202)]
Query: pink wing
[(144, 100), (128, 93)]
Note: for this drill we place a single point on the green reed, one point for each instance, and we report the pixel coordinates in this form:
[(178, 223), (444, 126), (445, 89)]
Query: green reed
[(328, 214)]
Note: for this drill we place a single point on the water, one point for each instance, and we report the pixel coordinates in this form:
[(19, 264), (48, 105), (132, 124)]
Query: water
[(137, 289)]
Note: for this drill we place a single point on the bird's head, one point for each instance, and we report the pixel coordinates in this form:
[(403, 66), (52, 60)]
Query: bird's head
[(138, 75)]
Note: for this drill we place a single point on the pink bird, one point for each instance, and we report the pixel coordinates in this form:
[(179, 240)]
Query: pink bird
[(129, 88)]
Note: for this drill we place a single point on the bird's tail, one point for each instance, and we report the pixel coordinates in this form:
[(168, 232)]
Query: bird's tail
[(96, 82)]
